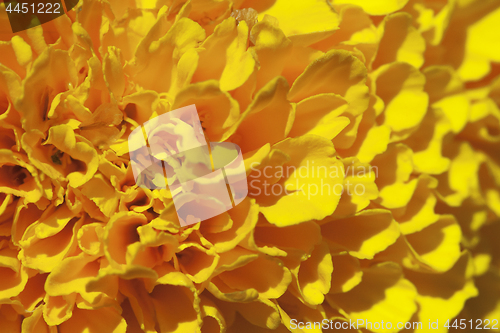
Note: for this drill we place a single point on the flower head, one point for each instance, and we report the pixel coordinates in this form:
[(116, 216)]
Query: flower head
[(369, 130)]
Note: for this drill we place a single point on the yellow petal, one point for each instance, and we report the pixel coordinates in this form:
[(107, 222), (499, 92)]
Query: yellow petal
[(401, 88), (62, 139), (196, 262), (315, 275), (26, 214), (268, 119), (220, 290), (320, 115), (435, 21), (486, 304), (400, 41), (439, 299), (265, 166), (225, 56), (419, 212), (263, 313), (14, 275), (462, 178), (370, 232), (291, 308), (456, 109), (140, 105), (359, 185), (113, 72), (184, 70), (181, 315), (16, 54), (339, 72), (300, 57), (402, 253), (480, 47), (244, 217), (58, 309), (72, 276), (311, 184), (438, 245), (120, 232), (156, 55), (52, 71), (394, 169), (19, 178), (33, 292), (427, 144), (382, 7), (53, 221), (210, 314), (240, 63), (441, 81), (140, 302), (383, 294), (356, 28), (45, 254), (374, 142), (271, 285), (347, 273), (90, 238), (36, 323), (295, 242), (317, 19), (106, 319), (217, 110), (102, 194), (271, 47)]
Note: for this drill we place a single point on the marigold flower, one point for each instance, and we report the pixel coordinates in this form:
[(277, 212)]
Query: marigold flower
[(370, 132)]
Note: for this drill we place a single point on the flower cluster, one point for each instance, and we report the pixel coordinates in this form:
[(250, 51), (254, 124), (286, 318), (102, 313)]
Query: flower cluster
[(410, 88)]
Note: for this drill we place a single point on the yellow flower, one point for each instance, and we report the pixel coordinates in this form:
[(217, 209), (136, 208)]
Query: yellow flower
[(370, 133)]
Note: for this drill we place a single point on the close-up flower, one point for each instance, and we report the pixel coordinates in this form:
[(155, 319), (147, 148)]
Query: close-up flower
[(368, 132)]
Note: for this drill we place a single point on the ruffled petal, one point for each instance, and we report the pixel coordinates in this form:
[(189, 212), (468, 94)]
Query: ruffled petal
[(310, 185), (372, 231), (318, 19), (383, 294), (376, 8)]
